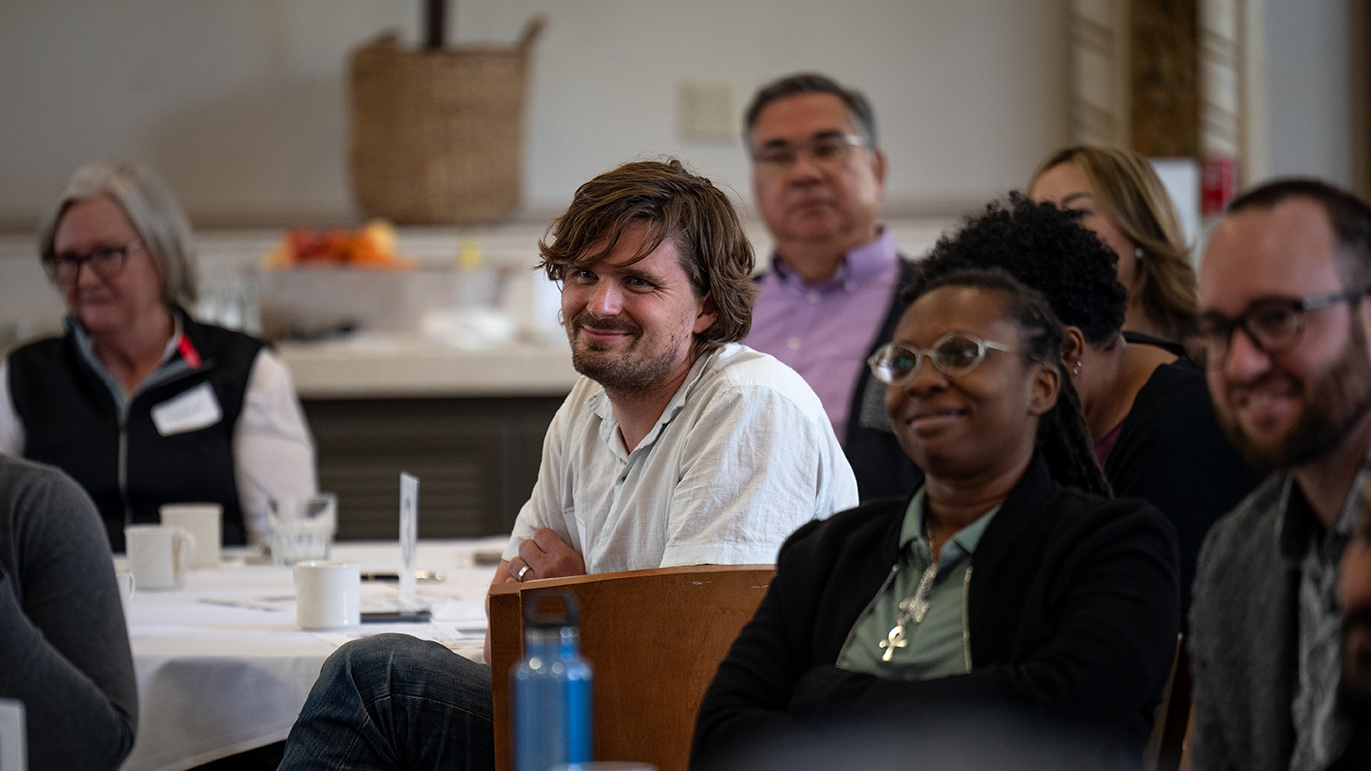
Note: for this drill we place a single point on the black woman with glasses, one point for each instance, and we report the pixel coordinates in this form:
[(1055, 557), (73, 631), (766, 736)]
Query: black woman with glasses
[(1148, 412), (139, 402), (1008, 583)]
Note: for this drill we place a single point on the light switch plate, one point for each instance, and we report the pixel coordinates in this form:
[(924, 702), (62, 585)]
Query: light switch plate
[(707, 110)]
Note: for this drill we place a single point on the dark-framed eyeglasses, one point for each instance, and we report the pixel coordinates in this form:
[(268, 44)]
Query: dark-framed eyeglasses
[(827, 149), (104, 261), (1273, 324), (954, 354)]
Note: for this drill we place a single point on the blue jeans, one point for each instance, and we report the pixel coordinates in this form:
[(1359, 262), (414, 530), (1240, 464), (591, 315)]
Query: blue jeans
[(395, 702)]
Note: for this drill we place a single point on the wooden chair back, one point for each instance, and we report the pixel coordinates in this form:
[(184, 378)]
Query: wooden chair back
[(654, 639), (1171, 723)]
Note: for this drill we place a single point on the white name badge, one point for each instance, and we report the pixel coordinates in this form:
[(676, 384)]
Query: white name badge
[(194, 409)]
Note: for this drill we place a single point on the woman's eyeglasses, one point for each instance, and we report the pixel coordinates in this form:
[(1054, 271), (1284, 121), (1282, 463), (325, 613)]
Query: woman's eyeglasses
[(1274, 324), (105, 262), (954, 354)]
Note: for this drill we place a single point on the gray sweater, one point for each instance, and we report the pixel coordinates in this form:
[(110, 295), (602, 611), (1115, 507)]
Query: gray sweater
[(64, 648), (1242, 639)]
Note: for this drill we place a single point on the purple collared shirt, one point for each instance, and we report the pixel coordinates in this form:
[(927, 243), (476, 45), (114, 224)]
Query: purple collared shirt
[(824, 331)]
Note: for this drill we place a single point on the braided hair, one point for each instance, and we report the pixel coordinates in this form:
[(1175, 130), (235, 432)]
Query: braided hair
[(1062, 437)]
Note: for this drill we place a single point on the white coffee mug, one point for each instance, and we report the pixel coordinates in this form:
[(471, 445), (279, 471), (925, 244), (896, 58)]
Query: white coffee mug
[(328, 595), (158, 555), (202, 520), (124, 580)]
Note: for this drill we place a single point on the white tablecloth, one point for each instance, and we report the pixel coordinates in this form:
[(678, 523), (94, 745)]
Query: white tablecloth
[(223, 668)]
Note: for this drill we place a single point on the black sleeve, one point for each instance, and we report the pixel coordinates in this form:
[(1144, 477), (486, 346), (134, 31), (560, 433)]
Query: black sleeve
[(1173, 454), (751, 690)]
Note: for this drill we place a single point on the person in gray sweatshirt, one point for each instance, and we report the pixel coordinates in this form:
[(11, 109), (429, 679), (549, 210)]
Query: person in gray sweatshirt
[(63, 639)]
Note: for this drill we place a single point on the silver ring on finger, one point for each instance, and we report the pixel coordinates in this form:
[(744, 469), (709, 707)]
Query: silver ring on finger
[(522, 571)]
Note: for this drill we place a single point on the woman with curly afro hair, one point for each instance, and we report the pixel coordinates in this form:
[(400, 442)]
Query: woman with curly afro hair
[(1146, 409)]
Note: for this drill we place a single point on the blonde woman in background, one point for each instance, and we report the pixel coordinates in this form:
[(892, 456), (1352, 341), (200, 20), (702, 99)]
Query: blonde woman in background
[(1122, 201)]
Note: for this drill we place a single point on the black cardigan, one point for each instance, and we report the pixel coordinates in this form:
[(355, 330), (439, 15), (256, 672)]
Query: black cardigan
[(1073, 617)]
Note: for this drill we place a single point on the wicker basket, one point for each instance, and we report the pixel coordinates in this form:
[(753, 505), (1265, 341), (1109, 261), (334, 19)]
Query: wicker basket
[(436, 135)]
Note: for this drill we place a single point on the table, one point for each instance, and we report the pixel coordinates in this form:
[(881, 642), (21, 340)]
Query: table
[(222, 667)]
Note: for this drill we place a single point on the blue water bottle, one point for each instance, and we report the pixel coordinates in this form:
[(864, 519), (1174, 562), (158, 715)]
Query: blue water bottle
[(551, 686)]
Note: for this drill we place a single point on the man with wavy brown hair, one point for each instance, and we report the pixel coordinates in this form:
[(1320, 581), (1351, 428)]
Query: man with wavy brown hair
[(679, 446), (670, 203)]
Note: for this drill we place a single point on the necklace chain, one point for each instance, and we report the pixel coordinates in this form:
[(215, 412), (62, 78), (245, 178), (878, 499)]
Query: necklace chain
[(912, 608), (915, 607)]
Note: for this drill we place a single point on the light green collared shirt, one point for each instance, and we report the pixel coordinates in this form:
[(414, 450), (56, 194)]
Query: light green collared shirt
[(940, 644)]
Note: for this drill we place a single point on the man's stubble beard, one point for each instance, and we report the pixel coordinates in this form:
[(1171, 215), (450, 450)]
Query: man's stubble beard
[(626, 373), (1332, 409)]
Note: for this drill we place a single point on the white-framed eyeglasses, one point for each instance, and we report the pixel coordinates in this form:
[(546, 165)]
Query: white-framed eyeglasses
[(954, 354)]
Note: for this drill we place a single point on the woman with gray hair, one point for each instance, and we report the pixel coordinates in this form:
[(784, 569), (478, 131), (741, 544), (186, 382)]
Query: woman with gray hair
[(139, 402)]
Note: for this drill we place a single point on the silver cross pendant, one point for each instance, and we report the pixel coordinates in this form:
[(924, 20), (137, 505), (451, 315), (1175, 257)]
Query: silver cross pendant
[(892, 641)]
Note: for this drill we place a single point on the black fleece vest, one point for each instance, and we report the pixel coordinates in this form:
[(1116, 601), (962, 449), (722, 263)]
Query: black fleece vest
[(71, 421)]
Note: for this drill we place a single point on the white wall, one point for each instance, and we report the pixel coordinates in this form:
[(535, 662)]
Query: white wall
[(241, 104), (1307, 121)]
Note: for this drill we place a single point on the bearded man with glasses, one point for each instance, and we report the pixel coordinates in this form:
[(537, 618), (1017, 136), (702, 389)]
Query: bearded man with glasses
[(1285, 324), (830, 297)]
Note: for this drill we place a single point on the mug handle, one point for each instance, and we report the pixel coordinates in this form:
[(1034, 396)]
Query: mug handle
[(185, 549), (133, 583)]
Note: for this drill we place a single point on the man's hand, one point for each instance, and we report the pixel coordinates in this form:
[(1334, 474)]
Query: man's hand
[(545, 556)]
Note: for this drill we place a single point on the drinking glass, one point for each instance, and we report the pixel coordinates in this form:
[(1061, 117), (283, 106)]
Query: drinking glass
[(302, 529)]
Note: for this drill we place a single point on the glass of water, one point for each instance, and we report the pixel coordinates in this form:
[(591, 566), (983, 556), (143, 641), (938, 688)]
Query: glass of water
[(302, 529)]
